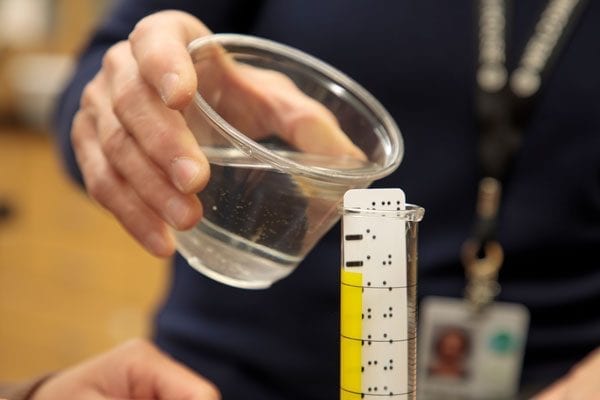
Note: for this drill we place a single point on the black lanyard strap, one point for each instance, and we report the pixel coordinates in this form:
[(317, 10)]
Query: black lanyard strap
[(504, 104), (549, 36)]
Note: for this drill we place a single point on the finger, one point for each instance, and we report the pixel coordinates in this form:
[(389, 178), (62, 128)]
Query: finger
[(160, 132), (112, 192), (157, 35), (180, 210)]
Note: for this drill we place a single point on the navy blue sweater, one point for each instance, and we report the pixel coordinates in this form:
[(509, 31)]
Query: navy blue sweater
[(418, 58)]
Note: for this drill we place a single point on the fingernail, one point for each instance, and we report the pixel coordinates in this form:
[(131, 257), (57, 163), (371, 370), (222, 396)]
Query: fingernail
[(177, 212), (168, 85), (185, 173), (156, 243)]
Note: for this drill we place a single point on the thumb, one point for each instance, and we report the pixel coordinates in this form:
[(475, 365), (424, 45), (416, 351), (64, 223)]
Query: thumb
[(278, 105), (311, 128)]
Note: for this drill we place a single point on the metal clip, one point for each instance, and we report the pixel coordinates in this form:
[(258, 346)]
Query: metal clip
[(482, 272)]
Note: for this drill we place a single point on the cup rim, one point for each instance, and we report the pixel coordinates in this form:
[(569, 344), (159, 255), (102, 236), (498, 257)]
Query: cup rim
[(410, 212), (254, 149)]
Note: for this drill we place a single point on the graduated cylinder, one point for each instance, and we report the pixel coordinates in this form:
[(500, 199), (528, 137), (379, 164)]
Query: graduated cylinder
[(378, 295)]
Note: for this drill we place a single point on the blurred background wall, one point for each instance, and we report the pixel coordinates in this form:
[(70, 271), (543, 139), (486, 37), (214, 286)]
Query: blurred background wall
[(72, 283)]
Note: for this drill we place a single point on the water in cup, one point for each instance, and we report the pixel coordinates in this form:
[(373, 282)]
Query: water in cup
[(260, 222)]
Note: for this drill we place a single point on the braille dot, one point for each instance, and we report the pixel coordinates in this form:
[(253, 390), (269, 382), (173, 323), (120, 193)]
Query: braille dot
[(391, 361), (391, 368), (368, 317), (385, 335), (391, 394), (385, 388), (373, 203), (383, 203), (362, 316), (374, 237), (391, 341), (370, 389), (375, 362), (389, 202), (375, 389), (362, 395), (369, 363), (384, 315), (389, 262), (384, 283), (391, 315), (368, 283), (368, 309), (385, 368), (397, 208), (398, 202), (389, 256), (368, 230), (368, 257), (390, 308), (369, 336), (384, 263), (369, 342), (362, 369), (390, 289)]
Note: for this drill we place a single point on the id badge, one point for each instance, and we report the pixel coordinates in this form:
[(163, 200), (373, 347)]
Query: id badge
[(470, 355)]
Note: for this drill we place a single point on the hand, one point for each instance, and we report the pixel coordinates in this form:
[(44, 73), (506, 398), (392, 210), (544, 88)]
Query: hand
[(135, 370), (582, 383), (137, 156)]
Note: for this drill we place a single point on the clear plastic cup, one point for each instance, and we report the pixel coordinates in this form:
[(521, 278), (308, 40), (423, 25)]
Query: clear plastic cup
[(271, 197)]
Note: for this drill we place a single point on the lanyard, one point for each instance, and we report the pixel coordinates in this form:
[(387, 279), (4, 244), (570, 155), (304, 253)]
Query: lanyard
[(503, 106)]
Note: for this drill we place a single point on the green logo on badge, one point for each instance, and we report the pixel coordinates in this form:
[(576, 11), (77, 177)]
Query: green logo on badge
[(503, 342)]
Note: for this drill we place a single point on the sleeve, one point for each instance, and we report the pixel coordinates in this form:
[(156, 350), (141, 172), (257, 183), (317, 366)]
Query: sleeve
[(218, 15), (22, 390)]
